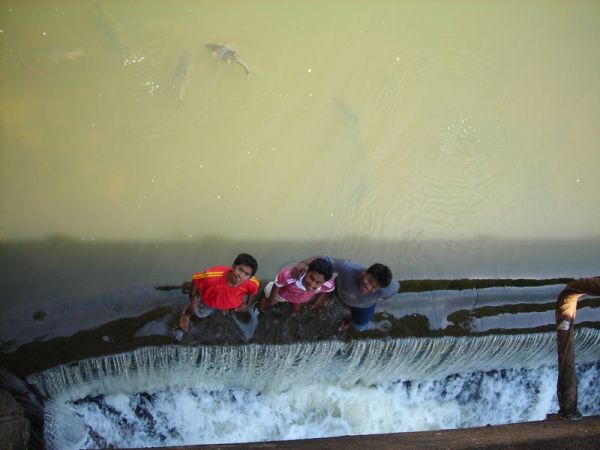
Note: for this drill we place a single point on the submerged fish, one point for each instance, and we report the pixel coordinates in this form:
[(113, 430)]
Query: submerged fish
[(226, 54), (57, 55), (181, 77), (111, 28)]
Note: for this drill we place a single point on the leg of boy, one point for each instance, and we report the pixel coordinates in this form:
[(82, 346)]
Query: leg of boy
[(184, 318), (201, 310), (186, 313), (265, 302), (361, 317), (196, 307)]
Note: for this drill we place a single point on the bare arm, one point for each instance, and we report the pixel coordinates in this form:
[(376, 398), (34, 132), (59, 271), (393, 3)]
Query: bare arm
[(321, 301), (274, 294), (302, 266), (193, 292)]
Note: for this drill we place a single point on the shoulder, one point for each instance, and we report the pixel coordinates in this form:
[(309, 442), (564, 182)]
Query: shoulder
[(392, 289), (211, 272), (348, 265), (328, 286), (252, 284), (286, 274)]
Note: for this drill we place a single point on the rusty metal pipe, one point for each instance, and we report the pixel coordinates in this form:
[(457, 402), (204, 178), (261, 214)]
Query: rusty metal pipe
[(566, 310)]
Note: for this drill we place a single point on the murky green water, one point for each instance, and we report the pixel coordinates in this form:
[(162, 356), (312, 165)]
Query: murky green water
[(427, 135)]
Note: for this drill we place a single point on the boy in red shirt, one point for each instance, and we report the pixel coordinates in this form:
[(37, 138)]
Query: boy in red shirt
[(221, 288)]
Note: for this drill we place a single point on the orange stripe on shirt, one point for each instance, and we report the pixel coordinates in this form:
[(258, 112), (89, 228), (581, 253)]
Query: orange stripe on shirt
[(207, 275)]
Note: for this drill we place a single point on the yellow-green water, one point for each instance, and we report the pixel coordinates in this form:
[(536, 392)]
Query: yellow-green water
[(409, 121)]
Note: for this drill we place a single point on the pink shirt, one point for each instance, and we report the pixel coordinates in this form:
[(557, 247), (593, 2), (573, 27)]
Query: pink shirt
[(294, 291)]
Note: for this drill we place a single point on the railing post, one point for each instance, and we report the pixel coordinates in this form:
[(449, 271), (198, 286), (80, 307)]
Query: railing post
[(566, 309)]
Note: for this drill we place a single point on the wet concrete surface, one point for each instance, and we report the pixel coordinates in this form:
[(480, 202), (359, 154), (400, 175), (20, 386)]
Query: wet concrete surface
[(153, 320)]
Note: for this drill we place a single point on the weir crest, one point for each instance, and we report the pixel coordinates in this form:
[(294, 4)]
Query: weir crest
[(276, 367)]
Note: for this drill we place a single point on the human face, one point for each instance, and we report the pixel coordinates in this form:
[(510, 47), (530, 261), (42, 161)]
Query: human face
[(367, 283), (313, 280), (239, 274)]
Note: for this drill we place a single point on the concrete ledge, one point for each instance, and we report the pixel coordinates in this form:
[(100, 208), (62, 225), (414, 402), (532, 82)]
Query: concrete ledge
[(553, 433)]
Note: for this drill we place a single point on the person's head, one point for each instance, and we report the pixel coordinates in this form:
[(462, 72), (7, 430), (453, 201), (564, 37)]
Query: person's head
[(374, 278), (243, 268), (318, 272)]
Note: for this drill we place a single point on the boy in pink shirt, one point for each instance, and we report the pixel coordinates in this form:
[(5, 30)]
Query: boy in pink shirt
[(318, 279)]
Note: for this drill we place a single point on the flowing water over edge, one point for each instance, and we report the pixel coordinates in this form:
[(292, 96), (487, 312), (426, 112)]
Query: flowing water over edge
[(305, 390)]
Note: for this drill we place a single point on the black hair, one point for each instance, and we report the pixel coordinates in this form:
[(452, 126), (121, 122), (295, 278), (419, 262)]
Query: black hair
[(381, 273), (322, 266), (246, 260)]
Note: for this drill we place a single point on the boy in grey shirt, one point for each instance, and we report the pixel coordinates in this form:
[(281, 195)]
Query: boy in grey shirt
[(358, 288)]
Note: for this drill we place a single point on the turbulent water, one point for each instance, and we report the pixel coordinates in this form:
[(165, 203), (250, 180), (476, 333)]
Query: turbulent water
[(182, 395)]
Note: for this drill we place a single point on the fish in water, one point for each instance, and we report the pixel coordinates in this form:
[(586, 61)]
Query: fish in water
[(182, 74), (57, 55), (226, 54), (111, 27)]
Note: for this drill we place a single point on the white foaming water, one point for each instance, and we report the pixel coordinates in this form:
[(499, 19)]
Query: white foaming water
[(197, 415), (261, 393)]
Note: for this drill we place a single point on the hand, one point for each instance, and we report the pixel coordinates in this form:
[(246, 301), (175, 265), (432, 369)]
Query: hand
[(299, 269), (322, 300), (242, 307), (264, 304), (193, 293), (184, 318), (319, 307)]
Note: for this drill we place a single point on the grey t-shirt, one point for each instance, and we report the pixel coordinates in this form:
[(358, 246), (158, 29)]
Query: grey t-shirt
[(348, 289)]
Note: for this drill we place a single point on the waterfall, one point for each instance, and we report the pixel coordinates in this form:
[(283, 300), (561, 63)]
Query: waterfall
[(267, 367), (176, 395)]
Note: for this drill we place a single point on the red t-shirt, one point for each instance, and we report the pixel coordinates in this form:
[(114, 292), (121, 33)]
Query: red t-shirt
[(216, 293)]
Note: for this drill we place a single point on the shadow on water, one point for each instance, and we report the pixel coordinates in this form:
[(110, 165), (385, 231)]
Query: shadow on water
[(60, 268)]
